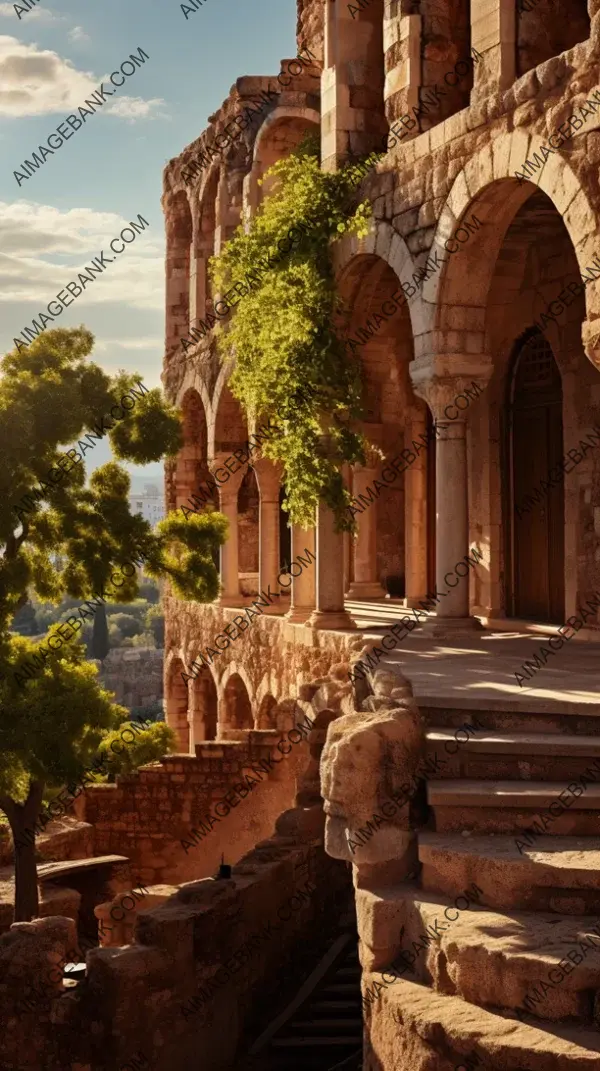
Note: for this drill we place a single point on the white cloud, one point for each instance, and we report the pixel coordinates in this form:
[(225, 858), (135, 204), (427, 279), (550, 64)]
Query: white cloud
[(43, 248), (39, 14), (78, 36), (38, 81)]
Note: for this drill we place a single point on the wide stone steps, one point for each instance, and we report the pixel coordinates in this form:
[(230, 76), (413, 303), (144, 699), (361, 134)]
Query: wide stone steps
[(511, 806), (524, 756), (508, 961), (576, 719), (434, 1030), (557, 874)]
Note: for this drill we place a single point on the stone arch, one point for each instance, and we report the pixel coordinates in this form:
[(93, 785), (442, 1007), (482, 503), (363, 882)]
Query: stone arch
[(236, 706), (205, 241), (179, 228), (204, 708), (280, 133), (248, 530), (379, 332), (265, 717), (177, 697), (230, 429), (491, 289), (191, 467)]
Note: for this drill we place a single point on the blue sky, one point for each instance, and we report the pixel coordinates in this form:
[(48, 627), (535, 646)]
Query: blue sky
[(51, 59)]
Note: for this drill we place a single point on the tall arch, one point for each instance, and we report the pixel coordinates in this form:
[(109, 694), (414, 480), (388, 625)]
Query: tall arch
[(545, 32), (236, 706), (204, 719), (535, 528), (191, 467), (177, 705), (178, 218), (248, 514)]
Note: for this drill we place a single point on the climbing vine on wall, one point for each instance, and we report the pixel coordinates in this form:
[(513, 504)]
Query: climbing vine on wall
[(290, 364)]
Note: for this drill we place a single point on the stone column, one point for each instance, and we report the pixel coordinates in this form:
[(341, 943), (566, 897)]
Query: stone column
[(303, 586), (365, 584), (415, 514), (268, 475), (433, 379), (329, 611), (228, 505)]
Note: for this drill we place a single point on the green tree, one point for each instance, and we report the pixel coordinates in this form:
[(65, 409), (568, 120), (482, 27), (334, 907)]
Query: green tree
[(149, 746), (68, 540), (155, 623), (100, 641), (127, 624)]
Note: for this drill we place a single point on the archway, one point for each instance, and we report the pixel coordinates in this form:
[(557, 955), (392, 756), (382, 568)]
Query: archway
[(204, 709), (237, 709), (191, 468), (248, 512), (536, 576), (266, 713), (177, 706)]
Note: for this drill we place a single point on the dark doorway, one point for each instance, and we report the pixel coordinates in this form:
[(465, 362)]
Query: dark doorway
[(285, 534), (536, 511)]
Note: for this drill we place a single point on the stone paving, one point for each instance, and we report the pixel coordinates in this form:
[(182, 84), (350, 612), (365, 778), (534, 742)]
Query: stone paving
[(482, 666)]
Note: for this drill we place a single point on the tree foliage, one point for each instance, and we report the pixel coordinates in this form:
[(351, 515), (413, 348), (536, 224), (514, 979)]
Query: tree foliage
[(69, 543), (282, 332), (149, 746)]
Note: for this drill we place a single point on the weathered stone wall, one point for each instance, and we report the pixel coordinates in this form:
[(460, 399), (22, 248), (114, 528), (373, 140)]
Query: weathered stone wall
[(134, 674), (147, 815)]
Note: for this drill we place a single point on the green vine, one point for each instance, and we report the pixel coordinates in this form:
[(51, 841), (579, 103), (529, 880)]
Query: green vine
[(290, 364)]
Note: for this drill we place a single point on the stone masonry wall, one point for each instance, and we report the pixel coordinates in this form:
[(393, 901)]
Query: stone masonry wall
[(145, 816), (134, 674)]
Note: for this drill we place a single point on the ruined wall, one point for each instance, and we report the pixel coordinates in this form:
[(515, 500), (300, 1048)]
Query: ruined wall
[(134, 674), (147, 815)]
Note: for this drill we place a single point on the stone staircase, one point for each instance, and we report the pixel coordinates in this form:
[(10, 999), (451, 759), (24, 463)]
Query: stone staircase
[(512, 980)]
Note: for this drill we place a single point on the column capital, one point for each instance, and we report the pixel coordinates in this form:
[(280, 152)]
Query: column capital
[(227, 482), (440, 380), (268, 476)]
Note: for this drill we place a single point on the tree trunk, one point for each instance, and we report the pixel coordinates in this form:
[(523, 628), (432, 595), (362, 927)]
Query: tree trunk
[(22, 817)]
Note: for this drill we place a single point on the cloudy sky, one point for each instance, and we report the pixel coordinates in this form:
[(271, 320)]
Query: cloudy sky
[(51, 59)]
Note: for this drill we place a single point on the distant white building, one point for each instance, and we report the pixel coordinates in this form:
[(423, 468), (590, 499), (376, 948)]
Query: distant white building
[(150, 503)]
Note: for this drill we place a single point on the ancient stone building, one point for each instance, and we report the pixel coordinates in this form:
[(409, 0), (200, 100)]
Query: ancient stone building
[(476, 310), (476, 890)]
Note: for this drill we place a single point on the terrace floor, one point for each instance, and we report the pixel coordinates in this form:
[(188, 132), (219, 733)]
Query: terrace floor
[(480, 666)]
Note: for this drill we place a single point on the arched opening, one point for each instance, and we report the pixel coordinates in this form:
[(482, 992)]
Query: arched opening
[(503, 284), (248, 530), (177, 706), (191, 468), (382, 338), (231, 431), (275, 142), (266, 719), (179, 252), (237, 710), (204, 708), (536, 447), (546, 31), (205, 241)]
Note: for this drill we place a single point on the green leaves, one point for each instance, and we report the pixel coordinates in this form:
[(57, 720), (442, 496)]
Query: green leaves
[(282, 334)]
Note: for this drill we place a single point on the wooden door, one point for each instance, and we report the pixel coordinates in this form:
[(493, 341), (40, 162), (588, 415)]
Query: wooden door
[(537, 515)]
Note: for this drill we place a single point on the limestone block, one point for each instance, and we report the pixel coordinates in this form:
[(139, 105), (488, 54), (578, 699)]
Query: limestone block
[(368, 755)]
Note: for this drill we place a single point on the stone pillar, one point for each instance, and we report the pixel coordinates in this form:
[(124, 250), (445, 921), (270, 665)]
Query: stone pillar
[(493, 35), (268, 475), (365, 584), (303, 586), (228, 505), (415, 515), (329, 610), (251, 199), (433, 379)]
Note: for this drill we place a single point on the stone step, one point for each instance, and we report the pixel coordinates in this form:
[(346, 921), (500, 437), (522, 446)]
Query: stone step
[(556, 874), (440, 1031), (510, 806), (519, 715), (507, 961), (525, 756)]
